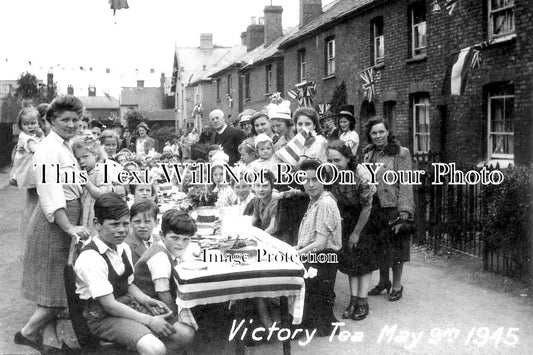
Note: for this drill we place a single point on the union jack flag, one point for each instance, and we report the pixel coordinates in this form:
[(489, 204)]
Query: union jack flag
[(368, 83), (303, 93), (450, 5), (322, 108)]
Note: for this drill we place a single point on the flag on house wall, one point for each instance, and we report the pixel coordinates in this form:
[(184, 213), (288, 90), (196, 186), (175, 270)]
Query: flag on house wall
[(457, 72), (175, 70), (367, 76), (450, 5)]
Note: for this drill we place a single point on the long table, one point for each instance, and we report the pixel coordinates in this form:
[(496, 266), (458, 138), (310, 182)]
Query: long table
[(224, 281)]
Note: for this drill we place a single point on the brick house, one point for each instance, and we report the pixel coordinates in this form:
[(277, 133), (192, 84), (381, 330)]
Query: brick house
[(409, 44), (101, 107), (252, 78), (213, 88), (154, 103), (191, 63)]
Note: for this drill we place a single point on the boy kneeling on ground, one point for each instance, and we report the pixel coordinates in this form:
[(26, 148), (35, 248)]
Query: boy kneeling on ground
[(154, 271), (104, 282)]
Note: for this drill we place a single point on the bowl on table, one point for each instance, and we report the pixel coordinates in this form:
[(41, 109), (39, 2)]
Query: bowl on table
[(205, 229)]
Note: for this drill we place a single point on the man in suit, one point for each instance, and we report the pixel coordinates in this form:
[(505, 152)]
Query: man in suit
[(228, 137)]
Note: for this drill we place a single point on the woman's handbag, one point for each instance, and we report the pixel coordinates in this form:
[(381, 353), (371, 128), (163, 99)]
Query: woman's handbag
[(401, 227)]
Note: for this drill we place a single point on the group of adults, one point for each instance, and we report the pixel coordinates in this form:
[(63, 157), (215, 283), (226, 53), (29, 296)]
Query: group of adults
[(366, 210)]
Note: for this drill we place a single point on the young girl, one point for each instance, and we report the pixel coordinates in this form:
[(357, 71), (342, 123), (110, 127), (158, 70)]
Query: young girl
[(265, 150), (90, 155), (247, 152), (22, 171), (110, 141)]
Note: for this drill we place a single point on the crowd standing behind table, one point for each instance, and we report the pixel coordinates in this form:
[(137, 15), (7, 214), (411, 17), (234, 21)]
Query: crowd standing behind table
[(297, 139)]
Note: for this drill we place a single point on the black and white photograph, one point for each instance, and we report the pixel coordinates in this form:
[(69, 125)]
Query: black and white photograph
[(266, 177)]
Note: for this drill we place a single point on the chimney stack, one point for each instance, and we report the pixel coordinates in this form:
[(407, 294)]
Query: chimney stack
[(92, 90), (255, 35), (140, 83), (309, 10), (206, 41), (50, 79), (244, 38), (273, 27), (70, 90)]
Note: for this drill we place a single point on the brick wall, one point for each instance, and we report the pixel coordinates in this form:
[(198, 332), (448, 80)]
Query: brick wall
[(458, 124)]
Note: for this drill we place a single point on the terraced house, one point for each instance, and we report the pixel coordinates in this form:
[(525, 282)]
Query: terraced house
[(454, 77)]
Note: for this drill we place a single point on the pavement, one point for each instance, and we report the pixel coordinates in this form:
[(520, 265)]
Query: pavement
[(450, 306)]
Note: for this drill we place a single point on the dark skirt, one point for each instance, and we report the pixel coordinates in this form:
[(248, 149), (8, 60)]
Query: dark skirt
[(398, 248), (367, 256), (45, 257), (290, 213), (320, 296)]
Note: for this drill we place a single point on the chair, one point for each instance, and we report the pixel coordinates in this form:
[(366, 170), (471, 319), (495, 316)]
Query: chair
[(88, 342)]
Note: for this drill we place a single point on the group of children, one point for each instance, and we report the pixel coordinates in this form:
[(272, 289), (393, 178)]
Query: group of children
[(124, 276)]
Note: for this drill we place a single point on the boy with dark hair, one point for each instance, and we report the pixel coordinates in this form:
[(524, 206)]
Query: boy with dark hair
[(143, 220), (104, 282), (154, 272)]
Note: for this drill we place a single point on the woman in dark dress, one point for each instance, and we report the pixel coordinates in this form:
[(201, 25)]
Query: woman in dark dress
[(359, 254)]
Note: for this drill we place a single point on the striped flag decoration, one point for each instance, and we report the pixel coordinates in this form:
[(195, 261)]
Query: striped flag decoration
[(450, 5), (303, 93), (291, 153), (293, 94), (457, 72), (367, 76), (322, 108)]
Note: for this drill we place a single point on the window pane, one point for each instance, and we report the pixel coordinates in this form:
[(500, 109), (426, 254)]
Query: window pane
[(379, 49), (509, 115), (502, 144), (420, 35)]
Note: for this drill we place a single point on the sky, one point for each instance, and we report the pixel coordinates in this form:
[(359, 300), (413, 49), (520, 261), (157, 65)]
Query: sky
[(65, 35)]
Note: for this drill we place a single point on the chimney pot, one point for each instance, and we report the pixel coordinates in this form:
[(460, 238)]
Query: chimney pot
[(206, 41)]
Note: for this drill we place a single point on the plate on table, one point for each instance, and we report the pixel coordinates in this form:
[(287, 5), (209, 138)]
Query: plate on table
[(193, 265)]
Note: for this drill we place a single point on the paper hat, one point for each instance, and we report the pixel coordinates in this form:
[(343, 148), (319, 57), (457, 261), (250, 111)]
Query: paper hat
[(260, 138), (219, 158), (281, 111)]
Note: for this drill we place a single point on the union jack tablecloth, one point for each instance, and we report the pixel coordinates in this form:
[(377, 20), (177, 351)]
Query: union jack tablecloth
[(223, 281)]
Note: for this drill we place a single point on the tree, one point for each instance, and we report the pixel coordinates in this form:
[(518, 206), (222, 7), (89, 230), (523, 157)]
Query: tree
[(339, 98), (32, 91), (133, 118)]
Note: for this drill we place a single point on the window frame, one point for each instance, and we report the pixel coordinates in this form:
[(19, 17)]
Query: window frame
[(330, 53), (490, 14), (420, 51), (218, 89), (498, 95), (268, 79), (375, 24), (416, 134), (302, 65), (247, 87), (230, 84)]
